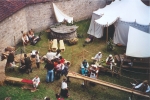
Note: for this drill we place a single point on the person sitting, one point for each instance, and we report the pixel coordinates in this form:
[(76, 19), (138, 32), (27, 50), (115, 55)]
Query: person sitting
[(84, 67), (33, 39), (110, 61), (36, 81), (64, 89), (31, 35), (97, 57), (93, 74), (25, 39), (144, 87), (94, 68)]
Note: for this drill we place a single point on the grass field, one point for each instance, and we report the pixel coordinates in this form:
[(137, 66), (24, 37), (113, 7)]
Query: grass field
[(75, 54)]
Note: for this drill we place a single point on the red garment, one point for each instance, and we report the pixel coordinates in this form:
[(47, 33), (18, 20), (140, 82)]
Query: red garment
[(62, 60), (60, 99), (27, 81), (55, 64)]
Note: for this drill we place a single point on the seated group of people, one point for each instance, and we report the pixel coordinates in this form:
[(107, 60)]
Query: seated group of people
[(93, 70), (30, 37), (29, 62)]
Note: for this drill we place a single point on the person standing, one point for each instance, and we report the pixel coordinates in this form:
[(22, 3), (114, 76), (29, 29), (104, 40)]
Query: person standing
[(64, 89), (58, 70), (27, 63), (10, 60), (37, 59), (50, 55), (50, 71), (65, 70)]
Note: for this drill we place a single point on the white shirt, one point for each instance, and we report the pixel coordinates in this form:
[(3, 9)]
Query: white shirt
[(138, 86), (86, 65), (63, 85), (50, 55), (37, 58), (98, 56), (25, 38), (93, 75), (62, 67), (108, 59), (37, 80)]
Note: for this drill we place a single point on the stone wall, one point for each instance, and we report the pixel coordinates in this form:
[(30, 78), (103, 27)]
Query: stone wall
[(40, 16), (80, 9), (11, 27)]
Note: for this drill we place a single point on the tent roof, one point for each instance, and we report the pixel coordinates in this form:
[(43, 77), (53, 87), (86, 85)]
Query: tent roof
[(60, 16), (126, 10), (139, 46)]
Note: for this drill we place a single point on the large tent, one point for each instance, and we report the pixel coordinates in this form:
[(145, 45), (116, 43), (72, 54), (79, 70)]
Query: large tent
[(121, 13), (140, 45), (60, 16)]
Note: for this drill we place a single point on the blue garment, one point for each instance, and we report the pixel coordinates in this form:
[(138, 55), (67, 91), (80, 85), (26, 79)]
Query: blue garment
[(50, 76), (84, 71)]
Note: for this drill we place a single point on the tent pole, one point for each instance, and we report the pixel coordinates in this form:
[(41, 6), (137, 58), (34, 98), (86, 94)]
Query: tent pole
[(107, 33), (94, 27)]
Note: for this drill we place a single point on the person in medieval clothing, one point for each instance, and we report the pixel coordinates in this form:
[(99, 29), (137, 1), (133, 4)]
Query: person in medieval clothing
[(84, 67)]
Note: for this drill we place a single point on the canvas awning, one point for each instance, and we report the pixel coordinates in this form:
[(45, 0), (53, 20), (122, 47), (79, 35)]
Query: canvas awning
[(60, 16), (138, 44), (126, 10), (105, 20)]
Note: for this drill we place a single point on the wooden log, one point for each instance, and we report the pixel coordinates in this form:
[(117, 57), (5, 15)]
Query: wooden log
[(62, 46), (104, 83), (54, 45), (13, 79)]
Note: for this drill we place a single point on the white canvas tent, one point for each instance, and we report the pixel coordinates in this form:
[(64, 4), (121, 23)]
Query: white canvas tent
[(120, 12), (140, 45), (60, 16)]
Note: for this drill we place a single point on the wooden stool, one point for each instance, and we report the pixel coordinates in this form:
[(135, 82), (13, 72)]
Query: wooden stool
[(62, 46), (54, 45)]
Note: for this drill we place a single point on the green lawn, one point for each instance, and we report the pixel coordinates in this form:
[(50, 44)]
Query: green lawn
[(75, 54)]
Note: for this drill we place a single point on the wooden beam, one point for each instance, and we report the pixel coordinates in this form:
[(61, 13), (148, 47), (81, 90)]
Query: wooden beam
[(13, 79), (115, 86)]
